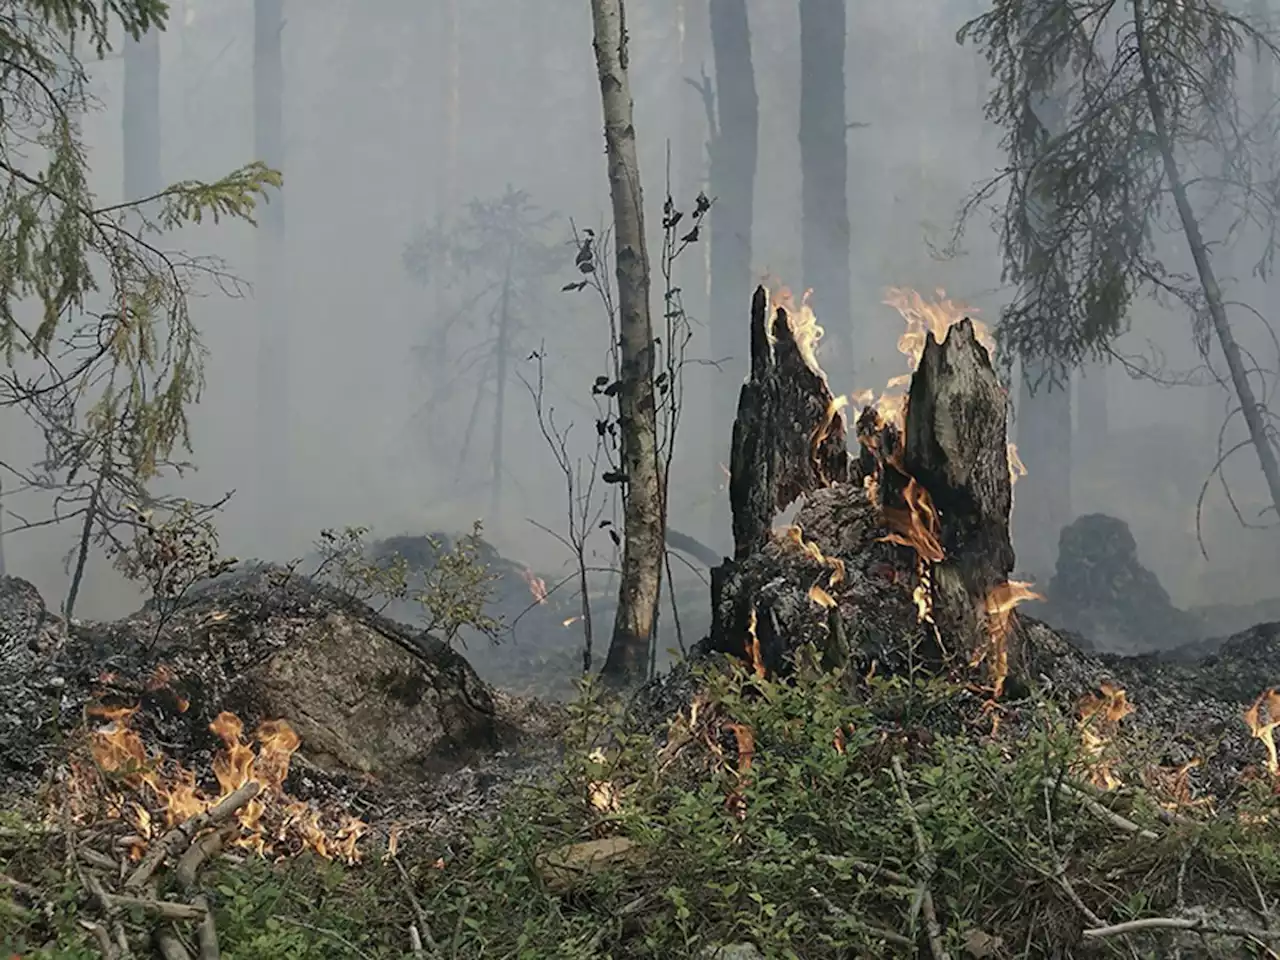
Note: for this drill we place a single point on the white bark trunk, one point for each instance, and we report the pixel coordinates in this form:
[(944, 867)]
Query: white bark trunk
[(642, 553)]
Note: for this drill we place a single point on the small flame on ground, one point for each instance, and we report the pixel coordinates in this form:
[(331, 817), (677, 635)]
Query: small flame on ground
[(118, 751), (1100, 716), (1263, 727)]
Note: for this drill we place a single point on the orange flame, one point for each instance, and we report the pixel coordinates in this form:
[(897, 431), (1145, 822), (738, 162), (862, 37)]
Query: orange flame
[(1100, 717), (1000, 603), (917, 526), (537, 586), (118, 750), (753, 646), (1264, 729), (803, 324)]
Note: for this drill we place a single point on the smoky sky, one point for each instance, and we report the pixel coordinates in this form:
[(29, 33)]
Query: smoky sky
[(371, 158)]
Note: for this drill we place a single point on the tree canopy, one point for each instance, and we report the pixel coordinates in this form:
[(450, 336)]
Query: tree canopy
[(98, 342)]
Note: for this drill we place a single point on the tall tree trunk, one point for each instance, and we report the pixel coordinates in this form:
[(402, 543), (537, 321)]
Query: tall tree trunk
[(691, 151), (734, 150), (824, 168), (141, 121), (272, 416), (642, 552), (1043, 498), (502, 351), (1249, 407), (1093, 418)]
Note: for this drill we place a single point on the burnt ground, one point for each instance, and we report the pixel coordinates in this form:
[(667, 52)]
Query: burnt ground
[(236, 642)]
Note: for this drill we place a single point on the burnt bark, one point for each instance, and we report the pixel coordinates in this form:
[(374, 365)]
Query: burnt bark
[(956, 448), (788, 437), (853, 574)]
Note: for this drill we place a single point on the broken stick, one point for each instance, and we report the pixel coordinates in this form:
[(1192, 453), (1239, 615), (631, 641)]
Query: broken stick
[(927, 866), (180, 837)]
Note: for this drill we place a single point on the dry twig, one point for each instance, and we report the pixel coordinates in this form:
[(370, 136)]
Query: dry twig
[(177, 839), (1189, 926), (888, 936), (422, 929), (1098, 810), (927, 866)]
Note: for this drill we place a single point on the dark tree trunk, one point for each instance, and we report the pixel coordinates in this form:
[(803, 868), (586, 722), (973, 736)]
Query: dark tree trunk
[(141, 124), (272, 417), (502, 351), (788, 438), (734, 151), (1093, 423), (824, 166), (1044, 494)]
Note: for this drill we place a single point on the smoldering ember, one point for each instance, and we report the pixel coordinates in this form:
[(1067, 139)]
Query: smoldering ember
[(794, 666)]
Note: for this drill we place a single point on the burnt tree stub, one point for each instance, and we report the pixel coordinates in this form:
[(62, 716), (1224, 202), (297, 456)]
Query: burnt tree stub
[(956, 448), (901, 554), (788, 437)]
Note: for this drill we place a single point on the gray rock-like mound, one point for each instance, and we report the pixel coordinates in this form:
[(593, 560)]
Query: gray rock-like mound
[(365, 694), (1101, 590)]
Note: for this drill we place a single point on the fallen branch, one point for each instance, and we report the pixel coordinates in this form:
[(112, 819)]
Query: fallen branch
[(95, 859), (421, 931), (99, 933), (177, 839), (1098, 810), (888, 936), (863, 866), (22, 889), (927, 865), (1188, 926), (169, 946), (168, 909), (188, 866)]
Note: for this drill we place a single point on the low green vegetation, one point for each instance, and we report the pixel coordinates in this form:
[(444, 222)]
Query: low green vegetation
[(818, 817)]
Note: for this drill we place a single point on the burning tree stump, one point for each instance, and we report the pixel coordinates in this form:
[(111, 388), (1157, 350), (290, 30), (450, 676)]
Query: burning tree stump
[(899, 556)]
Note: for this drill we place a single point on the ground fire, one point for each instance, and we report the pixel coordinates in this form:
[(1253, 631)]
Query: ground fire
[(145, 788)]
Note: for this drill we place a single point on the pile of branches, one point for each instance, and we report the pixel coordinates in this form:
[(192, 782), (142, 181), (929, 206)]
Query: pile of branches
[(158, 898)]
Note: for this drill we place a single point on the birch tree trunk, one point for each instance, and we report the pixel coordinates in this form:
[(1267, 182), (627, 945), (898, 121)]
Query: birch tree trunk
[(642, 552)]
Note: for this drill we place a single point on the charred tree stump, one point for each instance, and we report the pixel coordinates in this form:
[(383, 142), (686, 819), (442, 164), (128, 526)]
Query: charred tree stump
[(956, 448), (900, 556), (788, 437)]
